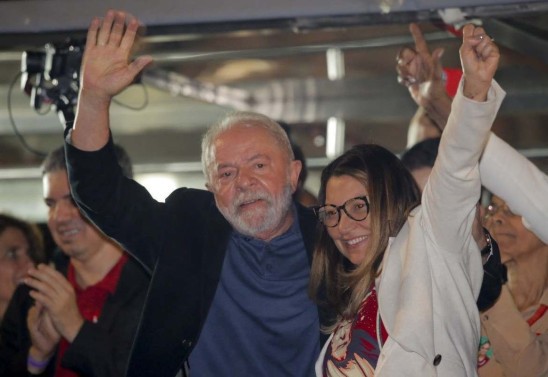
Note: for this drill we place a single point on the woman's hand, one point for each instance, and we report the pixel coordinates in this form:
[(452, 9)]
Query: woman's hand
[(479, 57)]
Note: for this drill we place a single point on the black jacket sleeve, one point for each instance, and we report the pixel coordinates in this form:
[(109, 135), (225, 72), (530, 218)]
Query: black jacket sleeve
[(119, 206)]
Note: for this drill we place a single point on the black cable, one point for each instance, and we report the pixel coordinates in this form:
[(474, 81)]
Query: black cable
[(12, 121), (43, 154)]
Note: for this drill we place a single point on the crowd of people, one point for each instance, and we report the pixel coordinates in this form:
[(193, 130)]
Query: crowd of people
[(514, 339), (77, 315), (395, 269)]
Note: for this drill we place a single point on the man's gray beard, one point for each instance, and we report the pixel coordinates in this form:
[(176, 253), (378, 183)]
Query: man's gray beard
[(277, 209)]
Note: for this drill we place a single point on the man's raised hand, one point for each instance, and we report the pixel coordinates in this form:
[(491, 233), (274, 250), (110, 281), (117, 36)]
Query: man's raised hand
[(107, 67)]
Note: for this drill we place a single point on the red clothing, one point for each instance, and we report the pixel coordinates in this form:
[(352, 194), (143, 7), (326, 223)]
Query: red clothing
[(90, 302), (356, 345), (452, 79), (518, 339)]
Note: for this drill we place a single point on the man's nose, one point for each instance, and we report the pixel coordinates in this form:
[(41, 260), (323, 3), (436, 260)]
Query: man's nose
[(63, 211), (245, 178)]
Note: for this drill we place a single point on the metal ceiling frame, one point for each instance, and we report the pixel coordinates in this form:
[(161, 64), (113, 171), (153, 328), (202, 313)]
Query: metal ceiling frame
[(36, 16)]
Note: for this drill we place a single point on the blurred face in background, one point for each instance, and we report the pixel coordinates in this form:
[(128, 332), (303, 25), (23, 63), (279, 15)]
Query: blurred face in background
[(14, 263), (514, 240), (73, 234)]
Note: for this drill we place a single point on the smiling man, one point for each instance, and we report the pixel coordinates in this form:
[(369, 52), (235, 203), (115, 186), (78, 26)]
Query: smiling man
[(232, 263), (252, 172), (79, 318)]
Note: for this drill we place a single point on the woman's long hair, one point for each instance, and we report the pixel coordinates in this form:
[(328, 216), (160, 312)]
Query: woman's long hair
[(30, 231), (392, 193)]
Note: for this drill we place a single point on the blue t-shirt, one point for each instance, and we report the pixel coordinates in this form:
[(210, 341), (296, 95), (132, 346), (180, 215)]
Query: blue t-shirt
[(261, 321)]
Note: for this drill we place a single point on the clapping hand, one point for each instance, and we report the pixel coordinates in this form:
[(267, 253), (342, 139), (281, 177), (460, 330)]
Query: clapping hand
[(56, 297), (44, 336)]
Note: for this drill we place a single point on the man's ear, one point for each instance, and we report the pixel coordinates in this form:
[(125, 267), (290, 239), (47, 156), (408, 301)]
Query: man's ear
[(295, 167), (209, 187)]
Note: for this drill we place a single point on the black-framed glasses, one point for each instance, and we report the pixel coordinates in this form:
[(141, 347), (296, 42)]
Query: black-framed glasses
[(356, 208)]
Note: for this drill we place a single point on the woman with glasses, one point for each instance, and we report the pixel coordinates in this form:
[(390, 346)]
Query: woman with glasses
[(517, 325), (402, 277)]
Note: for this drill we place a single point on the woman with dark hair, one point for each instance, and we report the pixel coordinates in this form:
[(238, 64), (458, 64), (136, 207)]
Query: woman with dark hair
[(404, 276), (21, 246)]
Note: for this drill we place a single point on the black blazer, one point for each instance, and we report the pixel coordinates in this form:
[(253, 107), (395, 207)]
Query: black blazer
[(182, 242), (100, 349)]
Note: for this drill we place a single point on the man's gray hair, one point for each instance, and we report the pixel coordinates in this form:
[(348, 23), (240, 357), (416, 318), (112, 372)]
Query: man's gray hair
[(246, 119), (55, 161)]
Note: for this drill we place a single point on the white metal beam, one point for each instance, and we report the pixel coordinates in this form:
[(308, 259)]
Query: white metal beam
[(37, 16)]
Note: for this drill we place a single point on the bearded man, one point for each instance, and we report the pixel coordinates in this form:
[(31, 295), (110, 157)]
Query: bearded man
[(231, 264)]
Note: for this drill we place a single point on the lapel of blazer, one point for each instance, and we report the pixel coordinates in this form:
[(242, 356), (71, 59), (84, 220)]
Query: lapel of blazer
[(215, 241), (216, 235), (307, 223), (132, 280)]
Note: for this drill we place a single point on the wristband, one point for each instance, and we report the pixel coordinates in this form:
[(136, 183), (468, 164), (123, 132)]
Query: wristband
[(37, 364)]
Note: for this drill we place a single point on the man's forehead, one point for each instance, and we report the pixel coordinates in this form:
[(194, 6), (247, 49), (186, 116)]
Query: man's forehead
[(56, 175), (56, 181), (256, 139), (232, 160)]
